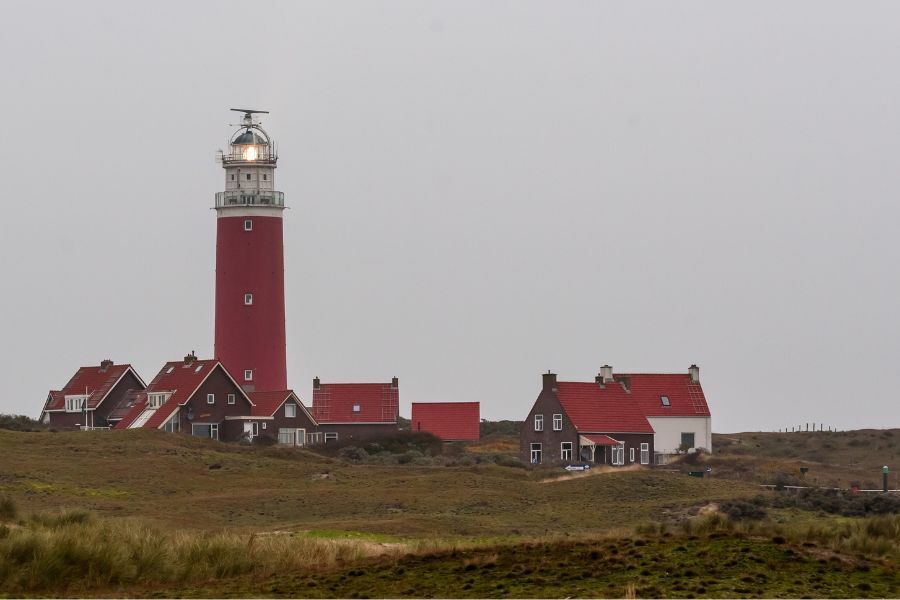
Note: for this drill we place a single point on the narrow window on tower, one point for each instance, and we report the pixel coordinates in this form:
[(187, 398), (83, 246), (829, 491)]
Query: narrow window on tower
[(248, 225), (265, 177), (248, 176), (232, 176), (248, 299), (248, 375)]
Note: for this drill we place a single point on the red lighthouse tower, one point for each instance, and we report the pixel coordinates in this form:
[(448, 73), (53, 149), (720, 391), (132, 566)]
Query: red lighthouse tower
[(250, 335)]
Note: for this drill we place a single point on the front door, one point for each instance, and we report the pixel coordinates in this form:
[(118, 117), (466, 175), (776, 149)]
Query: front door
[(248, 431)]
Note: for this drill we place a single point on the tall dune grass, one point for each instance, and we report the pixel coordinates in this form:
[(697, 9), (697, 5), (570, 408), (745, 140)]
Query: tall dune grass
[(72, 552)]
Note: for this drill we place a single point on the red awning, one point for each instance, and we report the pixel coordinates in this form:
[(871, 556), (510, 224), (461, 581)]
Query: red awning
[(598, 440)]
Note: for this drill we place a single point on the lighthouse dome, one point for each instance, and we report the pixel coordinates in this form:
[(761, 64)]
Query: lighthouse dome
[(250, 137)]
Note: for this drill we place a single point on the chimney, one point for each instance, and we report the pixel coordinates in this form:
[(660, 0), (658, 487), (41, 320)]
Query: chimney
[(694, 372), (189, 358), (549, 382), (598, 379), (104, 365), (395, 383), (316, 383), (606, 374)]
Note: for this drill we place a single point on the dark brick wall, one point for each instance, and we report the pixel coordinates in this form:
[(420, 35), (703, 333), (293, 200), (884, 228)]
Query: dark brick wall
[(221, 385), (64, 420)]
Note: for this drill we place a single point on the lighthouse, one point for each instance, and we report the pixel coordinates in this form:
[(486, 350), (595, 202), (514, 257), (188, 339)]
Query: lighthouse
[(250, 325)]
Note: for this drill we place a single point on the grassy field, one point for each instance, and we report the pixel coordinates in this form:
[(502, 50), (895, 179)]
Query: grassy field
[(160, 515)]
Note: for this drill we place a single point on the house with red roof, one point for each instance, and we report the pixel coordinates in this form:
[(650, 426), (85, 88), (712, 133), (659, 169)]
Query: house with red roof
[(280, 415), (596, 422), (675, 406), (190, 396), (450, 421), (355, 410), (89, 399)]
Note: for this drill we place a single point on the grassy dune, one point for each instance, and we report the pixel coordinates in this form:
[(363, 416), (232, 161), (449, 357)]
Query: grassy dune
[(144, 513)]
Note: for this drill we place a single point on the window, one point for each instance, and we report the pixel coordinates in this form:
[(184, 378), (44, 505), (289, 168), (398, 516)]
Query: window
[(536, 453), (330, 436), (248, 299), (356, 408), (255, 429), (76, 403), (230, 398), (205, 430), (538, 422), (687, 440), (248, 375), (248, 176), (169, 370), (265, 177), (565, 451), (290, 410), (618, 454), (645, 453), (199, 368), (264, 424), (557, 422), (286, 435), (210, 398), (248, 225), (156, 400), (665, 400), (631, 454), (173, 426)]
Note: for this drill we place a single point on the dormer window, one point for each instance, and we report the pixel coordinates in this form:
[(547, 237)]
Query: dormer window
[(665, 400), (248, 375), (157, 400), (356, 408), (76, 403)]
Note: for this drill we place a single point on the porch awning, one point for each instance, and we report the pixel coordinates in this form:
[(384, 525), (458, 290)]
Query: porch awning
[(597, 440)]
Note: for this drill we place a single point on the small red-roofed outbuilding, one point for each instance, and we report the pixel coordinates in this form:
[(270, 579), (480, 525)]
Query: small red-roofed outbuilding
[(450, 421)]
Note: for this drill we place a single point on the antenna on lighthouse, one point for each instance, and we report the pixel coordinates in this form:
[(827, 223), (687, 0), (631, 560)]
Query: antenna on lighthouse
[(248, 115)]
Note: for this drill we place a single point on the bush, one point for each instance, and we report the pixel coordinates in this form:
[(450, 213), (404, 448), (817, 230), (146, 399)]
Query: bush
[(352, 453), (8, 509), (20, 423), (500, 427), (740, 510), (396, 442)]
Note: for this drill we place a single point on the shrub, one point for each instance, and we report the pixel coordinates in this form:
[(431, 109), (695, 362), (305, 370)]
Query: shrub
[(739, 510), (8, 509), (352, 453), (20, 423)]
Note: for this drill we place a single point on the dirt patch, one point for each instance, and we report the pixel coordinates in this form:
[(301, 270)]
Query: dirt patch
[(602, 470)]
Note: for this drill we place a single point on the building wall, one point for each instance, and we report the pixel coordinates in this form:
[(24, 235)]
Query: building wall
[(280, 420), (220, 384), (603, 454), (358, 432), (251, 262), (547, 405), (669, 429), (64, 420)]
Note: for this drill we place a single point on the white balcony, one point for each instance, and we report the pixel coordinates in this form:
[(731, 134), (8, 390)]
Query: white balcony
[(237, 198)]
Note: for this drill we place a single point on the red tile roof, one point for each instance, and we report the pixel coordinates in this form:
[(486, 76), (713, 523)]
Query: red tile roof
[(450, 421), (601, 409), (376, 402), (126, 403), (686, 398), (94, 381), (266, 403), (178, 378)]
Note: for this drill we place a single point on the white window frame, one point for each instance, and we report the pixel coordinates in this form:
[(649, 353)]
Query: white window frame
[(557, 422), (564, 452), (645, 453), (210, 398), (255, 431), (538, 422), (248, 225), (213, 429), (73, 403), (331, 436), (537, 453), (263, 424), (356, 408), (631, 454), (290, 410), (231, 398), (248, 374), (248, 299), (173, 425)]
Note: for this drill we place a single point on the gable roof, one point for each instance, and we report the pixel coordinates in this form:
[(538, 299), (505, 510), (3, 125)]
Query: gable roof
[(450, 421), (607, 409), (686, 398), (182, 380), (94, 381), (266, 404), (334, 402)]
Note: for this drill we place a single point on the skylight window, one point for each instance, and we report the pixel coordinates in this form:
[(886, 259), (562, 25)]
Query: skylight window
[(197, 370), (665, 401), (169, 370)]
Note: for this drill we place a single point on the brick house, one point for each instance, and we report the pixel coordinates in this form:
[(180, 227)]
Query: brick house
[(282, 417), (595, 422), (355, 410), (90, 397), (450, 421), (190, 396)]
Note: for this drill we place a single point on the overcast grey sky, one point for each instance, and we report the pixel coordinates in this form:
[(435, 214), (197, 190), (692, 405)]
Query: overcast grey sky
[(479, 192)]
